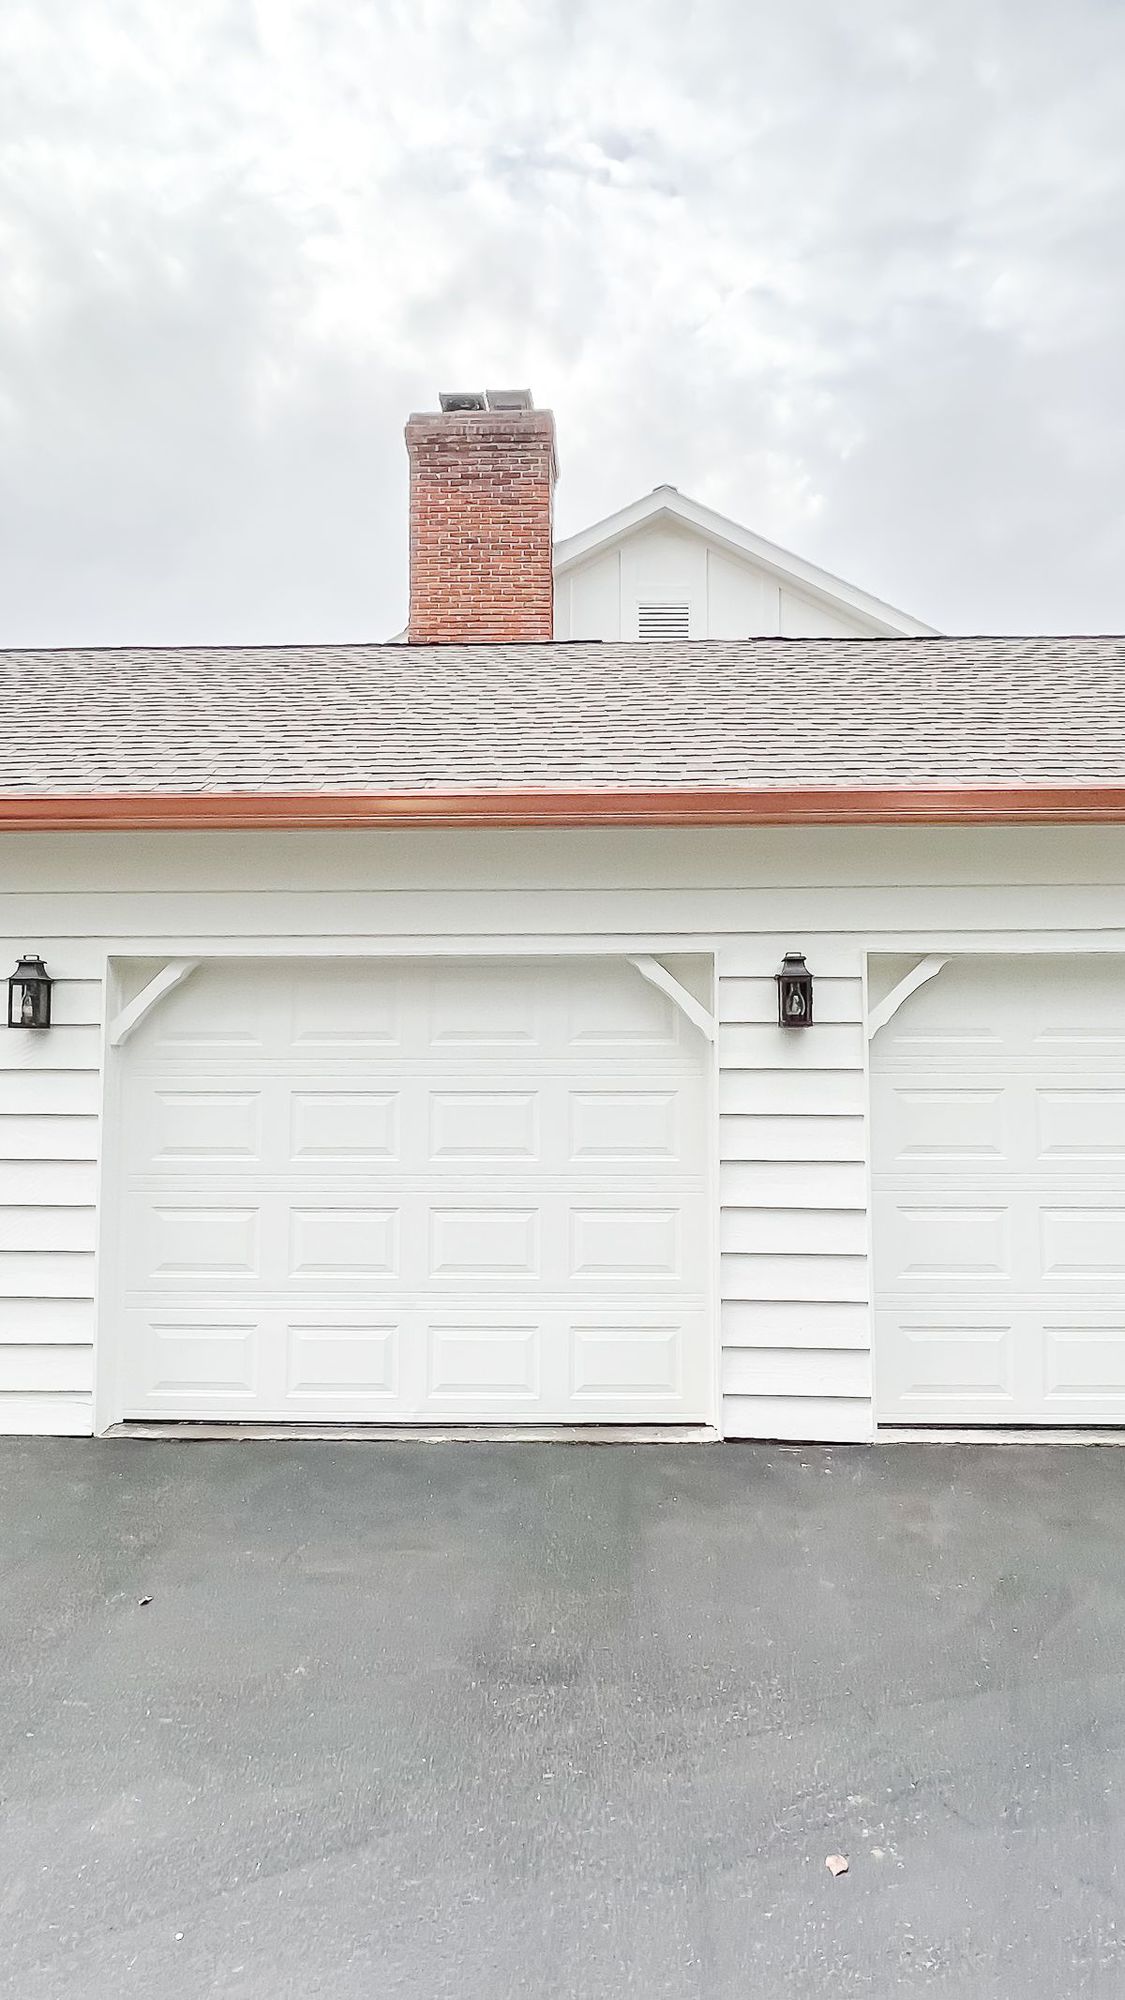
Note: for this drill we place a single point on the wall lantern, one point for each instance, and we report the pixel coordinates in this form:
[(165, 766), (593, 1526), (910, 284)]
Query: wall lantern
[(794, 991), (29, 994)]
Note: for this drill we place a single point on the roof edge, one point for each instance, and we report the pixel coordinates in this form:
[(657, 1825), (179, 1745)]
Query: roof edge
[(1060, 805)]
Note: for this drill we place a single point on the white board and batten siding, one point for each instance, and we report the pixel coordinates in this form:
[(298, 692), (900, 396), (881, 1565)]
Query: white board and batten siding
[(795, 1287), (667, 582)]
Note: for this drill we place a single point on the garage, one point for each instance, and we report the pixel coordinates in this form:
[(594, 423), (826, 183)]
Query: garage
[(429, 1191), (998, 1111)]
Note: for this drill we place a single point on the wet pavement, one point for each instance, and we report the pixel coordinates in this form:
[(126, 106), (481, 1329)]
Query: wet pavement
[(560, 1720)]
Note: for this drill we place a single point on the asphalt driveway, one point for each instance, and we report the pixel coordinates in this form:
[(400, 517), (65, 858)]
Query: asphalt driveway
[(567, 1721)]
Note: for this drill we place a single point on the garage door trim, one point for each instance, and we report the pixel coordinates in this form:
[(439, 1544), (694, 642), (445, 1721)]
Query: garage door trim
[(120, 988), (1012, 952)]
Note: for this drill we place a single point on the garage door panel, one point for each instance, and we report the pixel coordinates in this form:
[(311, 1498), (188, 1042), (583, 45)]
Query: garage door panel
[(358, 1239), (180, 1356), (945, 1364), (335, 1359), (623, 1244), (1081, 1124), (487, 1007), (491, 1363), (610, 1124), (629, 1357), (204, 1242), (926, 1126), (434, 1193), (1013, 1010), (1075, 1003), (944, 1243), (193, 1239), (1082, 1242), (942, 1049), (406, 1238), (339, 1009), (486, 1362), (615, 1009), (1084, 1365), (486, 1242), (999, 1199), (493, 1127), (343, 1126), (230, 1017), (211, 1122)]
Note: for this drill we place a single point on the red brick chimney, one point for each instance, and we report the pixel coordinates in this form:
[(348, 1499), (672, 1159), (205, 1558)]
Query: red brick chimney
[(482, 481)]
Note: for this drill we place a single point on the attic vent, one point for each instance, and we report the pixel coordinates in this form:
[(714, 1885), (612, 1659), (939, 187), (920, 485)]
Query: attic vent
[(663, 621)]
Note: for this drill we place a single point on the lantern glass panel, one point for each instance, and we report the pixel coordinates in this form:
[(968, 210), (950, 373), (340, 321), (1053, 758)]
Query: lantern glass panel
[(29, 994), (794, 992)]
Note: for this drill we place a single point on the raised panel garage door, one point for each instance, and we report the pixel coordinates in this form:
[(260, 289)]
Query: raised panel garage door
[(998, 1104), (418, 1191)]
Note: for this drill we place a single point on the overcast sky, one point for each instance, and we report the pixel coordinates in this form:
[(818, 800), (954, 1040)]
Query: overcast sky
[(854, 275)]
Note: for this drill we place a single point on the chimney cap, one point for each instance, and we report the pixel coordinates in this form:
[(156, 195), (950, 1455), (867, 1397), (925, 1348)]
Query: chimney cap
[(502, 402), (509, 399)]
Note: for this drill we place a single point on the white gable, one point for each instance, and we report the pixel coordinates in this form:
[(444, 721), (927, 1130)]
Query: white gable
[(667, 565)]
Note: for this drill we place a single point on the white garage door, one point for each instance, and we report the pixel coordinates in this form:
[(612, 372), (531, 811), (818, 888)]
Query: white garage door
[(999, 1190), (415, 1191)]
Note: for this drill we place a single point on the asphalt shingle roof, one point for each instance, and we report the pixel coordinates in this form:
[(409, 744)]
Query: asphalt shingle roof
[(760, 713)]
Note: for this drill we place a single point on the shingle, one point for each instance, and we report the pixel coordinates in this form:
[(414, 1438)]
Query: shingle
[(761, 713)]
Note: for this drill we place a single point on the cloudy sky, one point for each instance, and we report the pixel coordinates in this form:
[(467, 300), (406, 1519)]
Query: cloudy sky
[(854, 275)]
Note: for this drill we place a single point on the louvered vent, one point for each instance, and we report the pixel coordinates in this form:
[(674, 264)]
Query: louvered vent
[(663, 621)]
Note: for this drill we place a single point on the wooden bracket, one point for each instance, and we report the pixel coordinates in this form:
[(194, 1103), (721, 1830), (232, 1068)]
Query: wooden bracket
[(170, 976), (692, 1009), (926, 969)]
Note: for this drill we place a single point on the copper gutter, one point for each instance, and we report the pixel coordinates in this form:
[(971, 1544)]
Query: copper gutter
[(1060, 805)]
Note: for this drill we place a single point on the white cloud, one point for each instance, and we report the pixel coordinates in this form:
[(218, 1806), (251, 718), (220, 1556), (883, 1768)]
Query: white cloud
[(854, 278)]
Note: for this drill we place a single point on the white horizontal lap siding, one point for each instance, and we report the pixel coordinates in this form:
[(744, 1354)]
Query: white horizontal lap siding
[(49, 1100), (792, 1116), (796, 1359)]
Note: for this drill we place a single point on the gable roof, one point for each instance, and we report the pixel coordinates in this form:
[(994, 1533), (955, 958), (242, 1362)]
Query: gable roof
[(763, 729), (666, 503)]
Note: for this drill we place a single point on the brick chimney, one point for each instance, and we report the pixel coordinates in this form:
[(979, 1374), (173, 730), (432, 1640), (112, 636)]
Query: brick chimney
[(482, 481)]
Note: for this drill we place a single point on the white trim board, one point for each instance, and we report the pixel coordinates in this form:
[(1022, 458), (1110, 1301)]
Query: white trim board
[(107, 1397)]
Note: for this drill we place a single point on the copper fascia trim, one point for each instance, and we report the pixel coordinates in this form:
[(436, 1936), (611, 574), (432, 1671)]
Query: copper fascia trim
[(830, 806)]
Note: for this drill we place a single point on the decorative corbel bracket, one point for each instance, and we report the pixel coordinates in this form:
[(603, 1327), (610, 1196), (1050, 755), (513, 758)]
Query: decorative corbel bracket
[(163, 982), (925, 970), (692, 1009)]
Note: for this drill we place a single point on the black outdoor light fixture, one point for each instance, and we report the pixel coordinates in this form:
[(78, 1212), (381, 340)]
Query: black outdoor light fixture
[(794, 991), (29, 994)]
